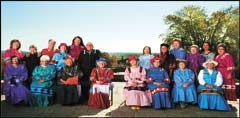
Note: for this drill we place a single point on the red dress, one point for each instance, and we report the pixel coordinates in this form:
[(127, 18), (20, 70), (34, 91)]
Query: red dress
[(226, 67), (99, 97)]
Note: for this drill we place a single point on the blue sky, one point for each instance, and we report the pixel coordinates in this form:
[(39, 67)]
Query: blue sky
[(117, 26)]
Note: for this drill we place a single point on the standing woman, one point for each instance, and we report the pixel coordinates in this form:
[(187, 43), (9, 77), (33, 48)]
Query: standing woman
[(101, 76), (76, 47), (177, 51), (169, 61), (31, 61), (226, 67), (41, 86), (144, 60), (58, 58), (136, 92), (13, 89), (67, 81), (195, 61), (50, 50), (14, 50), (207, 51)]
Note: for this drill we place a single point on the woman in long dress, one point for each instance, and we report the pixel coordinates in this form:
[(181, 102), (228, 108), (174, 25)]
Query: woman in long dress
[(209, 89), (67, 82), (101, 78), (13, 89), (136, 92), (226, 67), (184, 90), (41, 86), (158, 82)]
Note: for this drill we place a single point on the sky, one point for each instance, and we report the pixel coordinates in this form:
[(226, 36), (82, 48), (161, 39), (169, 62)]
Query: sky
[(115, 26)]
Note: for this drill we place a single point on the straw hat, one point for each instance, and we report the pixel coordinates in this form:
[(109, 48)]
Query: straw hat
[(209, 61)]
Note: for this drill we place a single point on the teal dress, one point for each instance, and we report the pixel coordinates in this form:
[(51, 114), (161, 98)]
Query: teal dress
[(40, 93), (211, 98)]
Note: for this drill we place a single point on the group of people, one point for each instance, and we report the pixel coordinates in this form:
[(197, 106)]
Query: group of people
[(78, 73), (173, 77), (72, 74)]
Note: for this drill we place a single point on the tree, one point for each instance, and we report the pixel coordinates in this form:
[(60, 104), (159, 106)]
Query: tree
[(194, 26)]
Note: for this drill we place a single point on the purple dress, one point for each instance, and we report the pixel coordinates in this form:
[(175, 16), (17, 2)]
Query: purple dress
[(14, 90), (195, 62)]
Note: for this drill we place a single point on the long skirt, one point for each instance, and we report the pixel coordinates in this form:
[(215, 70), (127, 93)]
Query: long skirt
[(41, 96), (212, 100), (99, 96), (161, 100), (67, 94), (180, 94), (16, 93), (134, 97)]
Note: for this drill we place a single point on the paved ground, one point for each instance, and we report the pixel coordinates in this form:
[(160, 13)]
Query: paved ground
[(118, 109)]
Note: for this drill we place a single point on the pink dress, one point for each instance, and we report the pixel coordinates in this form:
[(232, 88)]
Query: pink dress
[(226, 67), (139, 95), (12, 52)]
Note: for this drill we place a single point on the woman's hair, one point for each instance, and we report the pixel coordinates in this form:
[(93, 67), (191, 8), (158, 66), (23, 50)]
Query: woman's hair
[(81, 40), (14, 56), (13, 41), (148, 48), (210, 47)]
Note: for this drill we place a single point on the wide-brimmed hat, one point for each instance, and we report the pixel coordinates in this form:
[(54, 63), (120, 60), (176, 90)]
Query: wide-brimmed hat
[(132, 57), (62, 44), (209, 61), (101, 60), (44, 58), (156, 58)]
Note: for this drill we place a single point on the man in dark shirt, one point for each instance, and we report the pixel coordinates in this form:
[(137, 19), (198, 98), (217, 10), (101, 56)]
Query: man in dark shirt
[(87, 61)]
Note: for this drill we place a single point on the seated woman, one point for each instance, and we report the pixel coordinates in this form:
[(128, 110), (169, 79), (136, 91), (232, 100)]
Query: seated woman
[(101, 77), (67, 81), (136, 93), (13, 89), (41, 86), (184, 90), (158, 82), (209, 89)]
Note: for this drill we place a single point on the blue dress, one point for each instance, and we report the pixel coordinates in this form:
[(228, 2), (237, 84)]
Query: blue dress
[(211, 98), (179, 53), (160, 94), (41, 92), (181, 94), (59, 59), (13, 89), (144, 61)]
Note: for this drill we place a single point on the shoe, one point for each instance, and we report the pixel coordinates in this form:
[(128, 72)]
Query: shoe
[(133, 108), (182, 105), (137, 108)]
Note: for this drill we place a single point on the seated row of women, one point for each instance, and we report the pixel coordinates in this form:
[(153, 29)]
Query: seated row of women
[(142, 88), (63, 86), (152, 87)]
